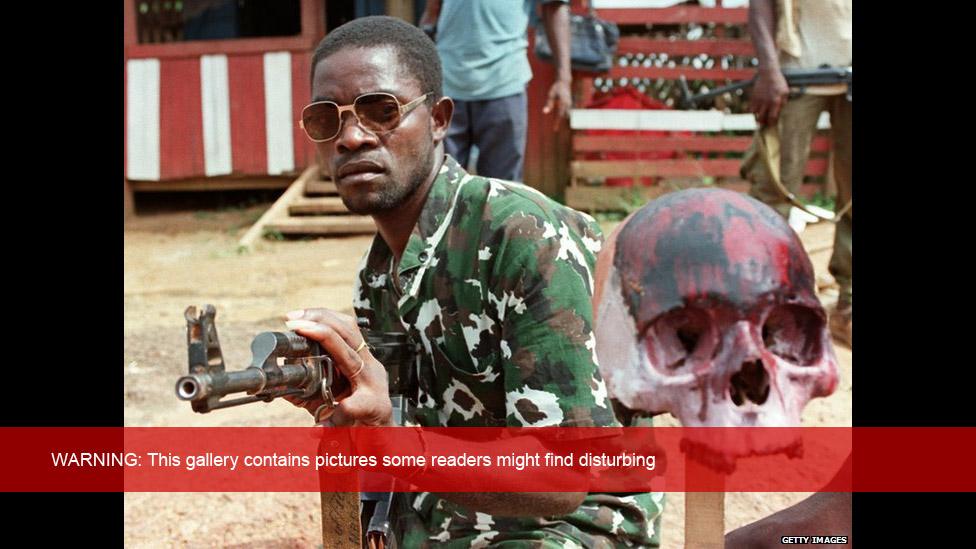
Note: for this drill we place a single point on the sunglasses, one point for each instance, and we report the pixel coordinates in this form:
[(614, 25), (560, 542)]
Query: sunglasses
[(377, 112)]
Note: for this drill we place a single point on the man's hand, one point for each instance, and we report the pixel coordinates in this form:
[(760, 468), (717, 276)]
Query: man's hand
[(555, 19), (561, 99), (364, 397), (769, 94), (770, 91), (824, 513)]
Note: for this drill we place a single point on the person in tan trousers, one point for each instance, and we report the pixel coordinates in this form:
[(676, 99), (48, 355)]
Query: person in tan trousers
[(804, 34)]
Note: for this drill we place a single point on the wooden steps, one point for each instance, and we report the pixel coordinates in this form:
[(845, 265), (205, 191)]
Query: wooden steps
[(310, 206), (319, 205), (320, 187), (323, 225)]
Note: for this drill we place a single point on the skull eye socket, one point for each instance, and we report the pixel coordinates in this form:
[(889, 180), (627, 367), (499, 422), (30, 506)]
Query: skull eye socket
[(793, 333), (676, 336)]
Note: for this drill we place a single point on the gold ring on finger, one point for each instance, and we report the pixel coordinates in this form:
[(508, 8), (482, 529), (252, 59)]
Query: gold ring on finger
[(362, 364)]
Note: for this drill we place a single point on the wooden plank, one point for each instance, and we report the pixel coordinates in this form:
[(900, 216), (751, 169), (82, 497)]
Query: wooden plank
[(279, 112), (611, 198), (304, 148), (129, 36), (672, 168), (668, 120), (690, 73), (404, 9), (341, 526), (142, 121), (600, 198), (279, 208), (320, 186), (128, 200), (547, 150), (325, 224), (248, 134), (215, 105), (675, 15), (712, 47), (197, 48), (704, 511), (624, 119), (684, 167), (638, 143), (658, 4), (317, 206), (181, 120), (212, 184), (313, 20)]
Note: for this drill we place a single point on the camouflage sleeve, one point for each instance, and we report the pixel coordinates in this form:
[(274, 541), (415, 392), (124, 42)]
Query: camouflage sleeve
[(362, 300), (372, 300), (543, 285)]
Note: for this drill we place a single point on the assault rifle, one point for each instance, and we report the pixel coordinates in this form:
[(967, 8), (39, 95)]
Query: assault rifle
[(799, 81), (306, 372)]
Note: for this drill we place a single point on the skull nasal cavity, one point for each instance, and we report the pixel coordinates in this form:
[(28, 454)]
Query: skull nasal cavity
[(688, 336), (751, 383)]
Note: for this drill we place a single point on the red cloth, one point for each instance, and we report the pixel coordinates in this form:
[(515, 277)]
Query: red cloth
[(626, 97)]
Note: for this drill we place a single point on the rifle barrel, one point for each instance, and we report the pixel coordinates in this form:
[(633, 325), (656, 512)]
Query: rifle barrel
[(200, 386), (794, 78)]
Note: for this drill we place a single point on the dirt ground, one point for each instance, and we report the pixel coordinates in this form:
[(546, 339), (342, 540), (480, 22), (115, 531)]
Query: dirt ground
[(173, 260)]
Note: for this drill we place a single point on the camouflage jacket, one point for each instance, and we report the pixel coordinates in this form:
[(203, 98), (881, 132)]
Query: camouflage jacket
[(494, 291)]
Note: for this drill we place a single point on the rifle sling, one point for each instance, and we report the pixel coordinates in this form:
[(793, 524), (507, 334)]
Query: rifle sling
[(769, 149)]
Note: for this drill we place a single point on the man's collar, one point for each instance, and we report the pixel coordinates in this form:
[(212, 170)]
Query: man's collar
[(426, 233), (439, 199)]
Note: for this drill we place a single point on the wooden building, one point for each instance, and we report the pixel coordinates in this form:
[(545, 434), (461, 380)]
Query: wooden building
[(215, 88)]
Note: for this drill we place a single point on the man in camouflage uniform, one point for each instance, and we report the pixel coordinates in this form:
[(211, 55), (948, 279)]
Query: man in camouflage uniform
[(491, 280)]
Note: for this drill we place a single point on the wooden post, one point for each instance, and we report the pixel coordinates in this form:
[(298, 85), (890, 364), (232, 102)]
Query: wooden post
[(128, 200), (341, 526), (129, 38), (313, 21), (831, 185), (340, 520), (547, 152), (704, 511), (402, 9)]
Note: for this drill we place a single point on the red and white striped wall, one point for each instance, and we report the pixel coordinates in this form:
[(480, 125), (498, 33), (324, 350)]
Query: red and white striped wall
[(218, 114)]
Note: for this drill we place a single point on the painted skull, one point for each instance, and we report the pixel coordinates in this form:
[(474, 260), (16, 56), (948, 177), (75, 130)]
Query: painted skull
[(705, 308)]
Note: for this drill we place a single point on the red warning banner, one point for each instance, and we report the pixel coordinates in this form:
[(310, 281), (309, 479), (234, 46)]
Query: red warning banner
[(259, 459)]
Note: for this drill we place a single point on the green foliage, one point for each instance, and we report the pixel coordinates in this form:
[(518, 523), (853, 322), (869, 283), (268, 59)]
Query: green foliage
[(823, 201), (632, 201), (272, 234), (603, 217)]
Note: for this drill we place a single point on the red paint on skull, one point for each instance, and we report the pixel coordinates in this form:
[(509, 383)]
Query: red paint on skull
[(708, 310), (707, 244)]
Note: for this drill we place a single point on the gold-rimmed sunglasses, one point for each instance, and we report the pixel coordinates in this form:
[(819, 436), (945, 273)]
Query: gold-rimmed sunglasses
[(377, 112)]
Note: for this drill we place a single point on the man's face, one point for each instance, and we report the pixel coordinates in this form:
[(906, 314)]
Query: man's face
[(374, 173)]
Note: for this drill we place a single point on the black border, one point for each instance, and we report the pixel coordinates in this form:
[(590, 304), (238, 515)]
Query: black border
[(64, 262), (67, 89)]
